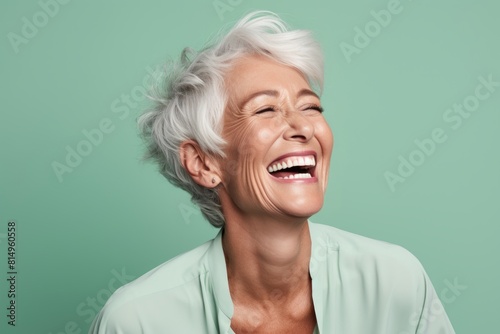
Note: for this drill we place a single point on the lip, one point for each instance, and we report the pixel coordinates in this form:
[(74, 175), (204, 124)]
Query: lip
[(312, 179)]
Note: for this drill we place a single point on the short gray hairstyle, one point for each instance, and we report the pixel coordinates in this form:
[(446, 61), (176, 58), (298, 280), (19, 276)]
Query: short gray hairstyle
[(190, 98)]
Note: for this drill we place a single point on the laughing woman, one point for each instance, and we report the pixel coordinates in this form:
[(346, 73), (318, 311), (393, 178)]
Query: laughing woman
[(240, 127)]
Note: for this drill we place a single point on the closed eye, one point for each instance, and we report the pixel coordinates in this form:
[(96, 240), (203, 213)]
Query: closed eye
[(308, 107), (314, 107), (265, 110)]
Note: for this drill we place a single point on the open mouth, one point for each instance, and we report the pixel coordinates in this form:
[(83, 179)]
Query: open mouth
[(293, 167)]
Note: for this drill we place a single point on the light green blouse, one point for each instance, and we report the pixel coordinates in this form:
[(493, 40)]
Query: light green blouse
[(359, 286)]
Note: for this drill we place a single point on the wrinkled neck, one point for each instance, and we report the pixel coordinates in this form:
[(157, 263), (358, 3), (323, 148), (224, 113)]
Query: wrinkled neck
[(267, 259)]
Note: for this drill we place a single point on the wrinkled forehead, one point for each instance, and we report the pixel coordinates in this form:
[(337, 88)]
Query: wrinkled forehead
[(253, 75)]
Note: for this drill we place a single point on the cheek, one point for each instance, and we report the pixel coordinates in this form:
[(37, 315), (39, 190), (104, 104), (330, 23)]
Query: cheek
[(245, 169), (325, 136), (247, 144), (263, 137), (251, 137)]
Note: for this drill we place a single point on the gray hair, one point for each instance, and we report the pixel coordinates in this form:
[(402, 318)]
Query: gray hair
[(190, 98)]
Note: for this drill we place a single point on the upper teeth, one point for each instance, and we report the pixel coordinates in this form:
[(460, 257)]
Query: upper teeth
[(292, 162)]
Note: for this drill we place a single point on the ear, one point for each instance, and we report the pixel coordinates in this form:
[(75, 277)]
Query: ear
[(202, 168)]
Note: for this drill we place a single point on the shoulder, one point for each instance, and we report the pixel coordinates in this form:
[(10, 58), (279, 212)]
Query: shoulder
[(361, 257), (176, 272), (362, 247), (170, 287), (379, 277)]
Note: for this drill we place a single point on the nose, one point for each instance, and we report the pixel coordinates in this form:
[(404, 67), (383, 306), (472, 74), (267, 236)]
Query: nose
[(299, 127)]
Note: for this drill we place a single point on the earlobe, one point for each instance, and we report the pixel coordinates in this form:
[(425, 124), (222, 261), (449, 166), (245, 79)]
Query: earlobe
[(198, 164)]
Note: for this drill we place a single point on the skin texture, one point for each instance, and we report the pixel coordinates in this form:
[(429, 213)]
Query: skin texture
[(271, 111)]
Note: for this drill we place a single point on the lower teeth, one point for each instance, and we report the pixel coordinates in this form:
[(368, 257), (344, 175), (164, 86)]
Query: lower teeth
[(297, 176)]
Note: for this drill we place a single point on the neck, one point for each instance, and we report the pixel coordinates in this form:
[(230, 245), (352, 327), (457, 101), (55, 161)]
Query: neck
[(267, 260)]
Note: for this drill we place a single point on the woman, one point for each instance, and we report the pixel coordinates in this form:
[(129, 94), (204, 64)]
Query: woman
[(240, 127)]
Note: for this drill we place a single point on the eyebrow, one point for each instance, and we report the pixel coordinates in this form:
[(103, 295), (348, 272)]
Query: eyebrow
[(275, 93)]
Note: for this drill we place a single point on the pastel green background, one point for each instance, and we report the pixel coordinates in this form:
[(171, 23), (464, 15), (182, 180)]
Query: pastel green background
[(113, 213)]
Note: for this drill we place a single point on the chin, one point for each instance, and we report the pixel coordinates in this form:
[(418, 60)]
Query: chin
[(304, 210)]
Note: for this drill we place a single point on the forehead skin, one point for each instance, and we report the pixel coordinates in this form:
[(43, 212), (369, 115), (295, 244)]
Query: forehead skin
[(256, 73)]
